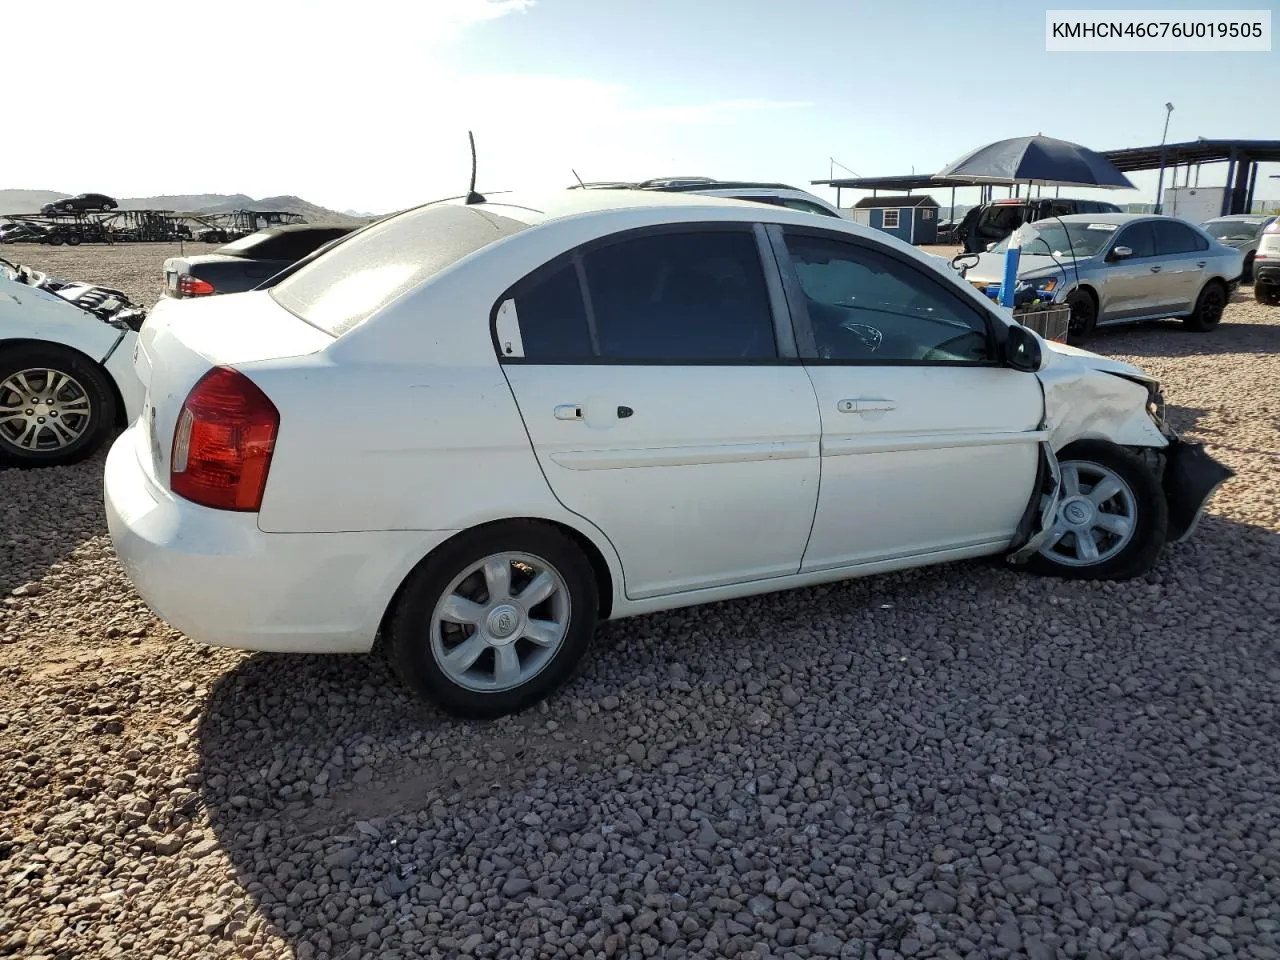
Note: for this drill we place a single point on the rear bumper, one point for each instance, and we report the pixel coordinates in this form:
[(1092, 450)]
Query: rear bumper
[(1190, 478), (220, 580), (1268, 273)]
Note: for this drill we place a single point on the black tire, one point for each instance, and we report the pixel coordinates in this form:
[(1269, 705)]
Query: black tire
[(93, 427), (74, 239), (410, 634), (1268, 293), (1150, 526), (1084, 316), (107, 207), (1247, 273), (69, 207), (55, 240), (1209, 306)]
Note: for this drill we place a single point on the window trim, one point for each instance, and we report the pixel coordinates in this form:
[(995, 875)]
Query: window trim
[(897, 218), (779, 308), (805, 339)]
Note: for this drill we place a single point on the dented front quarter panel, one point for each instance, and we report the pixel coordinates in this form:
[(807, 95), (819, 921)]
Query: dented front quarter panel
[(1087, 396)]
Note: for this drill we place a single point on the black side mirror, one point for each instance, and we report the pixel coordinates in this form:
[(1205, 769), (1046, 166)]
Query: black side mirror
[(1022, 349)]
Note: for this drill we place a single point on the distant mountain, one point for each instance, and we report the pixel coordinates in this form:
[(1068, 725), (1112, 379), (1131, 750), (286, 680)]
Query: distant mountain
[(30, 201)]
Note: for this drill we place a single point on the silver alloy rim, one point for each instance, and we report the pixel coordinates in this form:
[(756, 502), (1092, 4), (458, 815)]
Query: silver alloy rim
[(1096, 518), (500, 622), (42, 410)]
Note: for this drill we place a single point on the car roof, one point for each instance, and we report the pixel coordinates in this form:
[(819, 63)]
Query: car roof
[(535, 208), (1117, 218), (1242, 216)]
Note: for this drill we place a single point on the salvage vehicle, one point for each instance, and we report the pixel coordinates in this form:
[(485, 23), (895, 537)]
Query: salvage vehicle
[(479, 428), (1241, 231), (1115, 268), (1266, 267), (245, 263), (66, 366)]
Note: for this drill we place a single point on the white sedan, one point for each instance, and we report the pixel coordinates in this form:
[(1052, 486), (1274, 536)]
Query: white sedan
[(66, 367), (481, 429)]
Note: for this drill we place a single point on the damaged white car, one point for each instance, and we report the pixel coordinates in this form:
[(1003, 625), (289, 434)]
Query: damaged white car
[(66, 366), (482, 428)]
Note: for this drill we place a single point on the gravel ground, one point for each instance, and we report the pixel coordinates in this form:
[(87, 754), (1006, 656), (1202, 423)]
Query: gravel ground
[(955, 762)]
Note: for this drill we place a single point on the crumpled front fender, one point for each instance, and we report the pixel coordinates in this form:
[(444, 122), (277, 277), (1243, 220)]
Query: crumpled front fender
[(1087, 397)]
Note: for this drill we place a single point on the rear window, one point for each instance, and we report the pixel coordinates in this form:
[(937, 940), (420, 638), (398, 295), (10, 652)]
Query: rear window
[(355, 279), (284, 245)]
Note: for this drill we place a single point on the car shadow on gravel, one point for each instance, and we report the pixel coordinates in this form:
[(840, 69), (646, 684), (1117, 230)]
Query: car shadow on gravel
[(1143, 340), (336, 796)]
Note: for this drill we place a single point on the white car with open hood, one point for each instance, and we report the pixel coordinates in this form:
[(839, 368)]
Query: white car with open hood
[(480, 429), (66, 366)]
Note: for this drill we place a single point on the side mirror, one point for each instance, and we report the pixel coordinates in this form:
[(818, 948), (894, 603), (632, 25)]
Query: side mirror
[(1022, 349), (991, 246), (1121, 253)]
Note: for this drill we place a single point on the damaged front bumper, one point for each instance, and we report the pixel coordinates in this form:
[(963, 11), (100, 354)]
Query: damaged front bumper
[(1190, 477)]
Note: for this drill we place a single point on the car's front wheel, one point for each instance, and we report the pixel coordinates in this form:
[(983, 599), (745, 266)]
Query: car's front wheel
[(495, 620), (1268, 293), (56, 406), (1084, 316), (1112, 519)]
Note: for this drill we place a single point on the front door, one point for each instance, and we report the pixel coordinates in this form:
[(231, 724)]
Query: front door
[(1130, 286), (929, 446), (654, 389)]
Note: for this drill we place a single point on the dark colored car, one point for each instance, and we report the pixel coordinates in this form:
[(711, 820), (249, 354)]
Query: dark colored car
[(992, 222), (245, 263), (81, 203)]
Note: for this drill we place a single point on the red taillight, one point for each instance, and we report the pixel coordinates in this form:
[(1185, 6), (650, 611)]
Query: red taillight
[(190, 286), (223, 442)]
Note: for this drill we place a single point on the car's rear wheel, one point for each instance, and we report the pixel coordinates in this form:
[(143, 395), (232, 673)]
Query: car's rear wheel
[(106, 207), (56, 406), (1112, 520), (495, 620), (1247, 273), (1208, 312), (1084, 316)]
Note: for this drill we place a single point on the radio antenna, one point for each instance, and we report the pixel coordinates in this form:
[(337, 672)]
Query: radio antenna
[(472, 196)]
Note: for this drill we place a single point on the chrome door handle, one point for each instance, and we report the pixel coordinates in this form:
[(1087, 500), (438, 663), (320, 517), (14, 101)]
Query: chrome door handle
[(865, 405), (1201, 263), (569, 411)]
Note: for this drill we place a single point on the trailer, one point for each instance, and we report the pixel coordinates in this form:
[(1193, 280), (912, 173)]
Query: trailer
[(224, 227), (144, 226), (1194, 204)]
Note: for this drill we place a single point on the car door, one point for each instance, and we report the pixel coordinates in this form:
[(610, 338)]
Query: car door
[(664, 408), (929, 445), (1183, 255), (1129, 286)]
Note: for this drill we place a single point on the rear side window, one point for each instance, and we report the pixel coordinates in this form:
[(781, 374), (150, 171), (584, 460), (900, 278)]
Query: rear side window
[(668, 297), (1173, 238), (358, 277)]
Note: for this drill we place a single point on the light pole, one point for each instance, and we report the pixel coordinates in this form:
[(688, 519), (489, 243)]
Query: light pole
[(1168, 109)]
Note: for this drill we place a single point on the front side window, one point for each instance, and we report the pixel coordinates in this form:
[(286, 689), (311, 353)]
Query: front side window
[(867, 306), (670, 297), (1139, 238)]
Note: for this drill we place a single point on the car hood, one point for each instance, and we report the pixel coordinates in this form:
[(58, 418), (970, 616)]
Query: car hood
[(990, 267), (1087, 395)]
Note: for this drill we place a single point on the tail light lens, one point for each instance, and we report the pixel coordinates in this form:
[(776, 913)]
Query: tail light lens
[(189, 286), (223, 442)]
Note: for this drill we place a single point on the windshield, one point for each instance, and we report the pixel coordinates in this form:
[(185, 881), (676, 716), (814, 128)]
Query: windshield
[(1062, 240), (1234, 229)]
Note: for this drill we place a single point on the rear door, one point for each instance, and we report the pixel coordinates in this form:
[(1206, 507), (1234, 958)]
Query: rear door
[(656, 375), (1183, 255)]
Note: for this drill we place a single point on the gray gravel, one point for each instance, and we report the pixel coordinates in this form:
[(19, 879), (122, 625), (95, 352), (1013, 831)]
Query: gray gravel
[(955, 762)]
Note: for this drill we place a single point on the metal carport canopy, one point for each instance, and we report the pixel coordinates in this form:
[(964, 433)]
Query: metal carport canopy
[(1194, 151)]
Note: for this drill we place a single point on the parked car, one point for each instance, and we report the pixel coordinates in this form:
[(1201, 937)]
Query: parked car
[(1242, 231), (992, 222), (80, 203), (483, 428), (1266, 267), (243, 264), (1120, 268), (66, 366)]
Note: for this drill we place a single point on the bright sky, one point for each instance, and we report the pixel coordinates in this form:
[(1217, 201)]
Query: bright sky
[(366, 105)]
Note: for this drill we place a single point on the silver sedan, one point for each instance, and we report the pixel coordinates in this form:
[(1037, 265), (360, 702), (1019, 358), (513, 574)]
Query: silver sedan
[(1113, 268)]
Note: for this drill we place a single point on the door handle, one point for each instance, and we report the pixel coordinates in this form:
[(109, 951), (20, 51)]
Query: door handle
[(569, 411), (1201, 263), (865, 405), (1155, 269)]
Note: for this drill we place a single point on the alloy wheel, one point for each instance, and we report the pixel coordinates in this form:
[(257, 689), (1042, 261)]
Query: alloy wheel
[(1096, 517), (43, 410)]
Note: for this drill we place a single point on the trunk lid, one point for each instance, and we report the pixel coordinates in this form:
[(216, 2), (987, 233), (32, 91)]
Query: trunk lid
[(183, 339), (175, 267)]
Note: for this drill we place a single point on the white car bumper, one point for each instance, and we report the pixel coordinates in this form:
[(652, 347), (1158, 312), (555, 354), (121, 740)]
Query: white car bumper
[(220, 580)]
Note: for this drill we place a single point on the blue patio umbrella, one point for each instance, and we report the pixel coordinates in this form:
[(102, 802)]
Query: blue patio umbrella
[(1035, 161), (1041, 161)]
